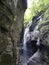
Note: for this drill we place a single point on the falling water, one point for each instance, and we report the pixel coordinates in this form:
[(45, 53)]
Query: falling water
[(27, 52), (25, 39)]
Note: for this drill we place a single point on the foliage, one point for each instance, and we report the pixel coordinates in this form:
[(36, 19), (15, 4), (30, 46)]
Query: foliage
[(34, 8)]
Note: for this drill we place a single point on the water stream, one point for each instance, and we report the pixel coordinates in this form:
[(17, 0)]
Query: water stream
[(28, 48)]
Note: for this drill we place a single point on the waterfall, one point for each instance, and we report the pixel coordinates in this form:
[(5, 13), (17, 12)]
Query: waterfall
[(27, 52), (25, 39), (29, 46)]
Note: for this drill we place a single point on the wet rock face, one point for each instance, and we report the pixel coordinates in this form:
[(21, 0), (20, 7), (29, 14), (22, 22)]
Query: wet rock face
[(39, 28), (41, 56), (24, 3)]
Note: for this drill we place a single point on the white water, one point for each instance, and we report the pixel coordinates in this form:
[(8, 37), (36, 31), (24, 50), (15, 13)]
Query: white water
[(25, 39), (27, 35)]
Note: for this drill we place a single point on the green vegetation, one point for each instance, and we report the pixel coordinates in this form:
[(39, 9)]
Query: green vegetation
[(34, 8)]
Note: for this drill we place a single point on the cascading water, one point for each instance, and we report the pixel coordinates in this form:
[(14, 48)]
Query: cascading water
[(28, 51), (31, 39), (25, 39)]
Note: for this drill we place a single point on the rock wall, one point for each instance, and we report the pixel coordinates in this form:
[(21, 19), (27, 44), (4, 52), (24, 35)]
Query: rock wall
[(11, 23)]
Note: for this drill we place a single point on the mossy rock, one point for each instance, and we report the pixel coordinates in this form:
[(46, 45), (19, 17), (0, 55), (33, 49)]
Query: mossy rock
[(3, 41), (6, 16), (6, 59), (44, 21), (45, 38), (43, 27)]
